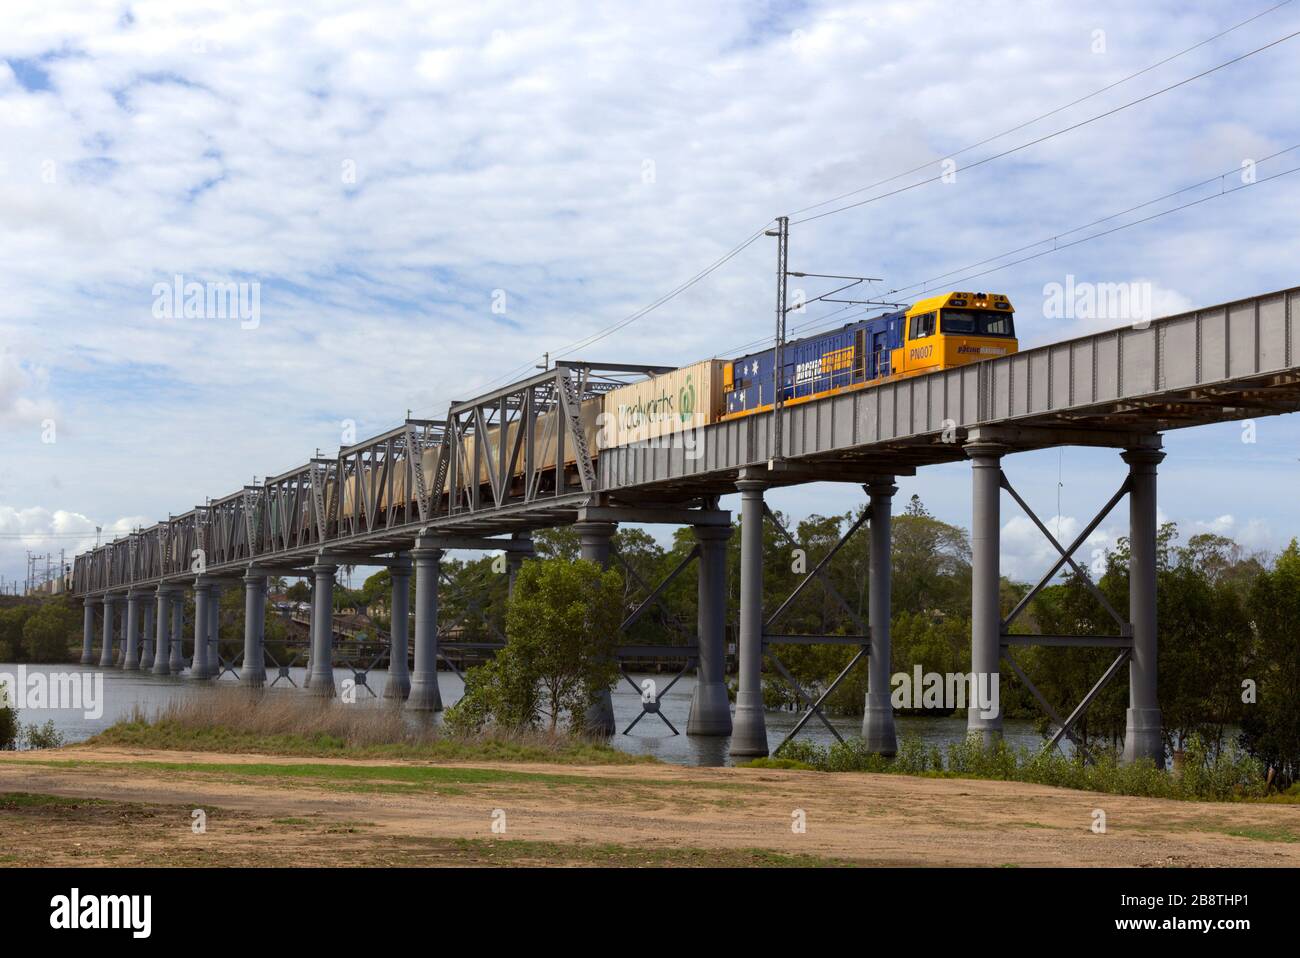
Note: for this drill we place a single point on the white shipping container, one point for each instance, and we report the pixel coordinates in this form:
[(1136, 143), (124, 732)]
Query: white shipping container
[(663, 405)]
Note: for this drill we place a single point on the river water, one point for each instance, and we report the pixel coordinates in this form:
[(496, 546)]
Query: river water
[(125, 691)]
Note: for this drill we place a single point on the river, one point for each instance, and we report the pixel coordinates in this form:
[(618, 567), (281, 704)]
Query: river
[(124, 691)]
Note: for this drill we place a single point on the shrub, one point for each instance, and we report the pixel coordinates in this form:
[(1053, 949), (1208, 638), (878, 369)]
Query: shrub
[(1207, 774), (42, 736), (8, 725)]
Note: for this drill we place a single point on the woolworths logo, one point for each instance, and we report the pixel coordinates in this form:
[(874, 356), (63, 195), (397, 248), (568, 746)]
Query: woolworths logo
[(686, 400), (659, 409)]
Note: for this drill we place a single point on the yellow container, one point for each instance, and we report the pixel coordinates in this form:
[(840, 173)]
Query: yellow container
[(672, 402)]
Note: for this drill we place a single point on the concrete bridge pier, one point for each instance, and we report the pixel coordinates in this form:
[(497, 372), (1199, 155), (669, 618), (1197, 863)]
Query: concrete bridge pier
[(515, 560), (424, 695), (253, 673), (131, 634), (88, 631), (110, 610), (749, 734), (878, 730), (162, 651), (200, 668), (177, 664), (147, 633), (321, 670), (594, 545), (710, 707), (1143, 736), (986, 579), (398, 686)]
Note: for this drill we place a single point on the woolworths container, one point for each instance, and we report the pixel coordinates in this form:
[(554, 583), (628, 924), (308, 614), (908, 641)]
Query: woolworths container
[(673, 402)]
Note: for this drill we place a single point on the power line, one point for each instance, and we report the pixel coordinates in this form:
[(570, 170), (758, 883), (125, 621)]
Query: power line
[(1043, 116), (1096, 222), (643, 311), (1048, 136), (1085, 239)]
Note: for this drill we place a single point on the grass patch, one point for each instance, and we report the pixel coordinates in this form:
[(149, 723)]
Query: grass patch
[(443, 779), (34, 800), (519, 852), (778, 763), (1275, 834), (244, 722)]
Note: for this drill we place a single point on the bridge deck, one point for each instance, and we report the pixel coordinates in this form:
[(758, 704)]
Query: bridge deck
[(1233, 361)]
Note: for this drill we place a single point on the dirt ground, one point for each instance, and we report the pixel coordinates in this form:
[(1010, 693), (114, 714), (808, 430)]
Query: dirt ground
[(101, 806)]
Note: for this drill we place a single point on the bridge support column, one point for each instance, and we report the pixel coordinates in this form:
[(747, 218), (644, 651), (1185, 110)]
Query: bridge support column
[(147, 634), (214, 630), (1144, 735), (162, 650), (986, 580), (710, 707), (749, 735), (177, 633), (424, 695), (515, 561), (110, 610), (878, 729), (88, 632), (200, 668), (253, 673), (398, 686), (321, 672), (131, 634), (594, 543)]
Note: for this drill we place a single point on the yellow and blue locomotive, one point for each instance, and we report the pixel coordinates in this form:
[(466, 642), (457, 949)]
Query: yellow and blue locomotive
[(935, 333)]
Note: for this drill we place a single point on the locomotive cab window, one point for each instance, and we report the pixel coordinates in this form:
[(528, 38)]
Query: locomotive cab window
[(922, 326), (977, 323)]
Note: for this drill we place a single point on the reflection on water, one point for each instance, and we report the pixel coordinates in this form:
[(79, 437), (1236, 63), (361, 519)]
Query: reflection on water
[(124, 692)]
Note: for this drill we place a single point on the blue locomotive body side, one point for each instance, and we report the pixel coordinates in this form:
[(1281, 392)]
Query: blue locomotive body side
[(818, 364)]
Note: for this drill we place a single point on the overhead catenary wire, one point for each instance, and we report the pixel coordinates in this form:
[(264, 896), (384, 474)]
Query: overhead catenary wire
[(1049, 136), (1043, 116), (638, 314)]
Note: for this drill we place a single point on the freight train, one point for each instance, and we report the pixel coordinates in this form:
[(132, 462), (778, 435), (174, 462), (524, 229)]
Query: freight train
[(935, 333)]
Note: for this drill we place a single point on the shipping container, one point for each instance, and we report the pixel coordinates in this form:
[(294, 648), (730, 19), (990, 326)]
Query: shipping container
[(662, 405)]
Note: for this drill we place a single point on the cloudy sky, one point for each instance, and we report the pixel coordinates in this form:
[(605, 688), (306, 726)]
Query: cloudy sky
[(388, 173)]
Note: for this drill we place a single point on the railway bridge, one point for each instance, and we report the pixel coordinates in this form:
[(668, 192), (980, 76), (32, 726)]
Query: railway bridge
[(518, 459)]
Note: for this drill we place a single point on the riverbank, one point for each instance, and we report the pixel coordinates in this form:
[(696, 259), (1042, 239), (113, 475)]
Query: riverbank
[(135, 807)]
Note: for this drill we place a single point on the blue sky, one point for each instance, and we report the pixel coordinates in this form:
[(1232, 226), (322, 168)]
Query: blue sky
[(384, 170)]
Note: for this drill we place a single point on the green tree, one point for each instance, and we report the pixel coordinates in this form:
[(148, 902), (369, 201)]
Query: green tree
[(48, 633), (563, 623), (1271, 726), (12, 622)]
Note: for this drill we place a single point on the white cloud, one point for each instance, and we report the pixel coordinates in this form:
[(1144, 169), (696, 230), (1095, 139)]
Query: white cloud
[(500, 147), (22, 402), (1027, 555), (43, 532)]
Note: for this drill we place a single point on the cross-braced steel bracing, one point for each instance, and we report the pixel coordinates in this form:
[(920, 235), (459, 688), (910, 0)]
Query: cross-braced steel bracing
[(1143, 457), (686, 646), (862, 639)]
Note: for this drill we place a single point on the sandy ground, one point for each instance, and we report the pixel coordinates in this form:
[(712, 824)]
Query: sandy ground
[(372, 813)]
